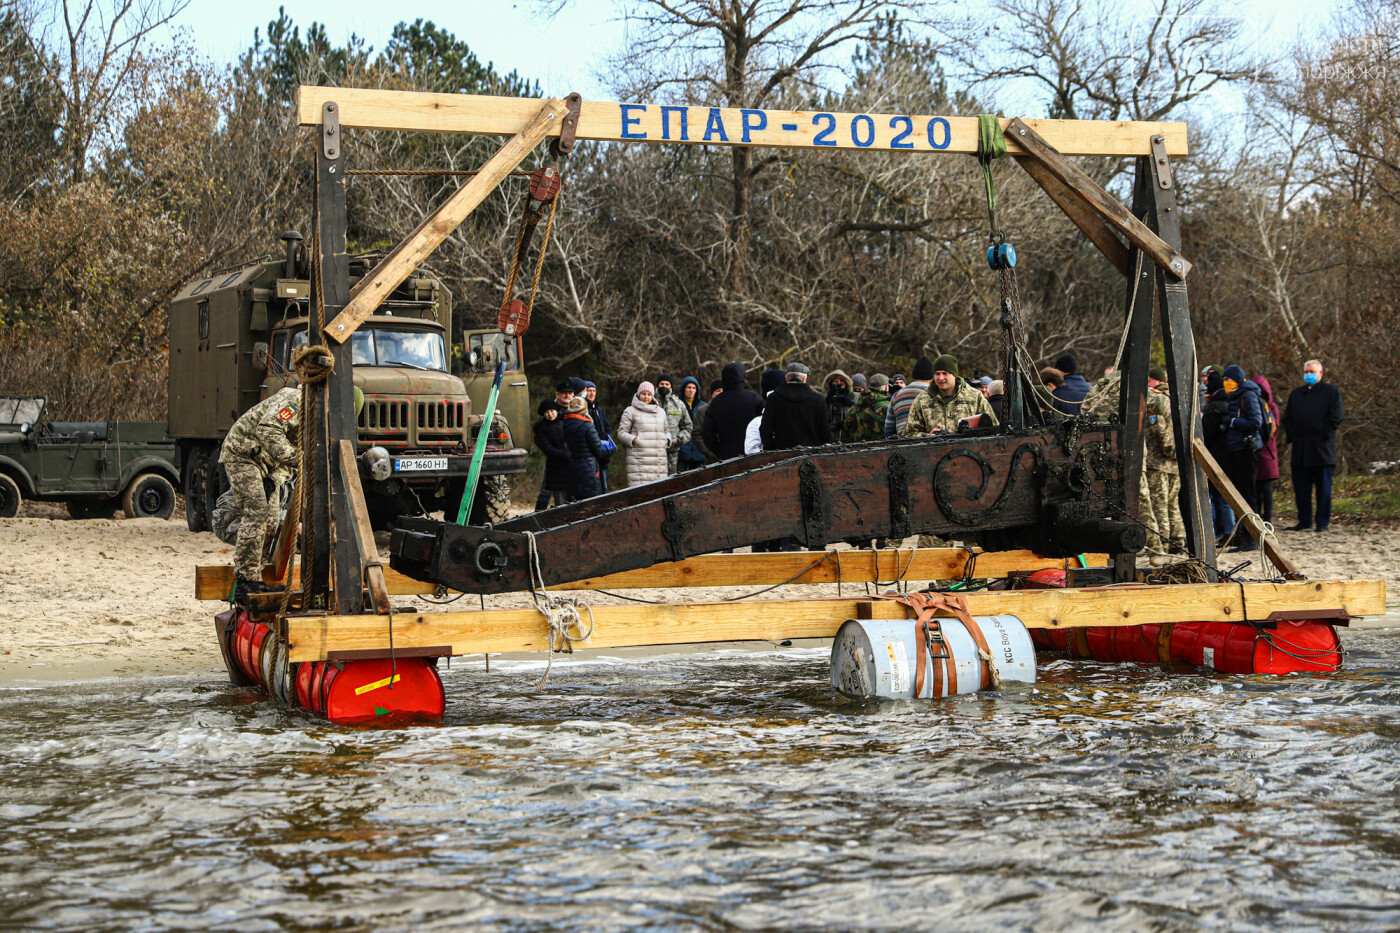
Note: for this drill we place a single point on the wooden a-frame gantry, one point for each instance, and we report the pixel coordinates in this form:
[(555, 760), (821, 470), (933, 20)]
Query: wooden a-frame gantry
[(340, 571)]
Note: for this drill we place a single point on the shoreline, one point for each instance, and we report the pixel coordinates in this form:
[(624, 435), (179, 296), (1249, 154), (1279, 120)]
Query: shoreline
[(114, 598)]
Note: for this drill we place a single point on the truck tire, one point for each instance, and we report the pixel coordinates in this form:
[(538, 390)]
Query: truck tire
[(92, 508), (490, 505), (10, 497), (194, 488), (215, 485), (150, 495)]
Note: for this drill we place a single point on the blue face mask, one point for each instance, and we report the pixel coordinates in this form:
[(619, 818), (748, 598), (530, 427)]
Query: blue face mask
[(1310, 378)]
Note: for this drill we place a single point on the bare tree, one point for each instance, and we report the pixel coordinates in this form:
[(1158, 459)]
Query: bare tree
[(101, 41)]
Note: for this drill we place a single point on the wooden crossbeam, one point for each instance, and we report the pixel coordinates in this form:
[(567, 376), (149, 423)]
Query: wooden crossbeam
[(805, 567), (372, 109), (1215, 473), (1093, 195), (371, 290), (1089, 222), (313, 638)]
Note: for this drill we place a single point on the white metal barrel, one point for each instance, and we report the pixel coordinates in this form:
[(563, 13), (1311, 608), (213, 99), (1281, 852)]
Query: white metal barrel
[(877, 657)]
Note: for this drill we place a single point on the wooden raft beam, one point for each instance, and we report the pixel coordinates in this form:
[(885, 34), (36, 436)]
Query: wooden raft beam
[(313, 638), (213, 582), (371, 109), (371, 290), (1092, 194), (1216, 474)]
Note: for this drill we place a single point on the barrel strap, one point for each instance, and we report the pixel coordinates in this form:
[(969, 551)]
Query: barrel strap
[(923, 607), (1079, 642), (1164, 643)]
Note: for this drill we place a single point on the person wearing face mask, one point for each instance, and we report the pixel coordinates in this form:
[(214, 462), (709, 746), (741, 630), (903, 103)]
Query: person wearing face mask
[(1310, 424), (1243, 440), (1215, 416), (677, 418)]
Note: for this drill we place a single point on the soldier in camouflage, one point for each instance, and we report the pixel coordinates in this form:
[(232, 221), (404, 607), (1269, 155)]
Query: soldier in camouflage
[(261, 445), (946, 401), (866, 419), (1159, 486)]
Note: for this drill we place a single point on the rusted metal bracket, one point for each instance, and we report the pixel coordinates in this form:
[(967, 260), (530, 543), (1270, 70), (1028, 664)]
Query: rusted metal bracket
[(673, 528), (1160, 163), (330, 130), (569, 128), (809, 480)]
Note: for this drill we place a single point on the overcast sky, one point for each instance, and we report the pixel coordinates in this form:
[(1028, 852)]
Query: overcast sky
[(561, 51)]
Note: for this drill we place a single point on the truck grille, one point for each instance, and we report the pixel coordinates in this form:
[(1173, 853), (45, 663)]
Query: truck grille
[(384, 422), (436, 417)]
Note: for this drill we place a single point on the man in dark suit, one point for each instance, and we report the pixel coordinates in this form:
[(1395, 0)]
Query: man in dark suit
[(1310, 424)]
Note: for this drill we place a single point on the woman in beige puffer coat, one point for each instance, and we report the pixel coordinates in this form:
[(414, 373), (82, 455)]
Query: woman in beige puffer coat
[(642, 430)]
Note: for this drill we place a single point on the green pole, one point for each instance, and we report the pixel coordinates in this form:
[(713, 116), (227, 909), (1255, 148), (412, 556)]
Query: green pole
[(479, 453)]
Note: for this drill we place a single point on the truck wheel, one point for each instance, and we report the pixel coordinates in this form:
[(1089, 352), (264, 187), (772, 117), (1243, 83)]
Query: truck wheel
[(10, 497), (92, 508), (215, 485), (194, 489), (150, 495), (490, 504)]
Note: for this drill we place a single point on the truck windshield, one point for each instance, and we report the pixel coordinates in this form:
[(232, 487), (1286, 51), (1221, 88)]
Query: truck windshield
[(383, 347)]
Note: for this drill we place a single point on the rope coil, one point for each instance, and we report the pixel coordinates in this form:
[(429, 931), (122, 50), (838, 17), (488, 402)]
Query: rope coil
[(561, 613)]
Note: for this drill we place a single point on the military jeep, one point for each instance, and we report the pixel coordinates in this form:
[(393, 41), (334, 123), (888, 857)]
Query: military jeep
[(95, 467)]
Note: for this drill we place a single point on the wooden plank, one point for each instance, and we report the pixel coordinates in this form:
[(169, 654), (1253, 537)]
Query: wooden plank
[(1088, 221), (1253, 524), (213, 582), (276, 570), (372, 109), (495, 631), (1096, 198), (364, 531), (371, 290)]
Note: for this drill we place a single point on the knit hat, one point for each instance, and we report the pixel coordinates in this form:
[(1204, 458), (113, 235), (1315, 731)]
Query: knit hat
[(588, 385), (577, 385), (1066, 363), (1158, 373), (923, 369), (1235, 372), (897, 377), (947, 363), (666, 377), (716, 384), (879, 381), (646, 387), (1215, 381), (771, 379), (997, 387), (577, 403), (859, 381)]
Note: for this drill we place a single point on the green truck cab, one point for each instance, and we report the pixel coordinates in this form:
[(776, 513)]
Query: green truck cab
[(484, 348), (231, 341), (95, 467)]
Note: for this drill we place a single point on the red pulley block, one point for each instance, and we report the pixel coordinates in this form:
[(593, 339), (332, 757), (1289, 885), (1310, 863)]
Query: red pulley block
[(514, 319), (544, 183)]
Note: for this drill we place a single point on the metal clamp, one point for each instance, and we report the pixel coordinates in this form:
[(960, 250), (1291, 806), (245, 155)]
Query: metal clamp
[(568, 130), (1160, 163), (330, 130)]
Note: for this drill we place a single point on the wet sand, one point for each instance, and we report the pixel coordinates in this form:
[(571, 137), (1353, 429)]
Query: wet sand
[(115, 597)]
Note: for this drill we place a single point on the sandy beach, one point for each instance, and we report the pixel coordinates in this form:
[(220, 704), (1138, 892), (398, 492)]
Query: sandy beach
[(115, 597)]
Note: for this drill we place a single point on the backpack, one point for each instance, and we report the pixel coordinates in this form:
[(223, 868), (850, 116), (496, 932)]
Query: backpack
[(1267, 430)]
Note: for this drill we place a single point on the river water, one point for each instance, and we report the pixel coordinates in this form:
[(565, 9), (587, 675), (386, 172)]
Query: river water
[(717, 791)]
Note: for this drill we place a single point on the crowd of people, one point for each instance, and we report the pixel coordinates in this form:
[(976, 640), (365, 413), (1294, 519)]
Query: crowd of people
[(670, 426)]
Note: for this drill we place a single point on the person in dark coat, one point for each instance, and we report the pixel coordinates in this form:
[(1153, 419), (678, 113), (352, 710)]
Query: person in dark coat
[(1242, 440), (728, 415), (1215, 422), (1069, 396), (549, 438), (603, 427), (585, 450), (795, 415), (693, 452), (1310, 424), (1267, 474), (996, 396)]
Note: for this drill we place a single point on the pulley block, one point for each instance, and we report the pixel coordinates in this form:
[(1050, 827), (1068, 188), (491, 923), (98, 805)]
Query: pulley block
[(1002, 256), (544, 183), (514, 318)]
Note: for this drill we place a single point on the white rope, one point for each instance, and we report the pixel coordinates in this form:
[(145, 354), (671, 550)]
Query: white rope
[(562, 613), (1267, 533)]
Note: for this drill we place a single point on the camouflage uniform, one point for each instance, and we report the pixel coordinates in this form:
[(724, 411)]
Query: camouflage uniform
[(866, 419), (1159, 487), (262, 444), (933, 410)]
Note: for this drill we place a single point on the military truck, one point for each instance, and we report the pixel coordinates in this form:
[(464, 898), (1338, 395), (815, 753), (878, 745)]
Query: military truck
[(231, 339), (95, 467)]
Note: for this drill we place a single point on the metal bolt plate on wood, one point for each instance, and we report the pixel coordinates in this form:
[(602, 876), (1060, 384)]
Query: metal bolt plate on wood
[(330, 130), (1160, 163)]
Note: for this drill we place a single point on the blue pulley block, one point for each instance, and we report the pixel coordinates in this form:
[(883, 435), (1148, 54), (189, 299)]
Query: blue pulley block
[(1001, 257)]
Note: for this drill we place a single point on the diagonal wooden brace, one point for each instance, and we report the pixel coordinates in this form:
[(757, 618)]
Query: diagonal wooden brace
[(1090, 193), (1076, 209), (373, 289)]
